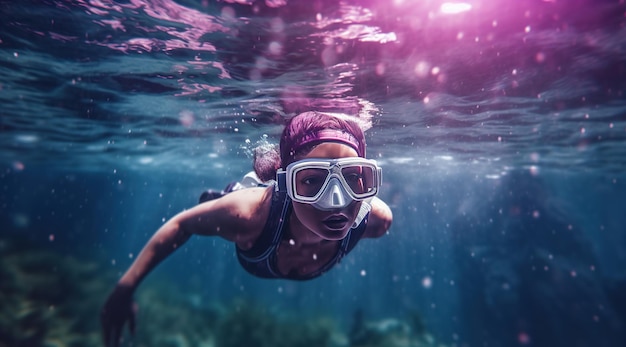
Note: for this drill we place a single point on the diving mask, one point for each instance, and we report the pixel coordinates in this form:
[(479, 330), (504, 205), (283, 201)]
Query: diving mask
[(331, 184)]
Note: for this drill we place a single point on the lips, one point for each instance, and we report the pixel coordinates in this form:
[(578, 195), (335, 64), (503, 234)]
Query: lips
[(336, 222)]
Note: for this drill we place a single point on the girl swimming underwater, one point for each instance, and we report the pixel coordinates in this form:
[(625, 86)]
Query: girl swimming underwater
[(321, 203)]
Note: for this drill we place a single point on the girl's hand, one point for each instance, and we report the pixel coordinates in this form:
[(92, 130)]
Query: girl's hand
[(117, 310)]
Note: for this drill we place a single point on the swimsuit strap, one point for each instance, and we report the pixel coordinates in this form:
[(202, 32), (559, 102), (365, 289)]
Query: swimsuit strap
[(257, 260)]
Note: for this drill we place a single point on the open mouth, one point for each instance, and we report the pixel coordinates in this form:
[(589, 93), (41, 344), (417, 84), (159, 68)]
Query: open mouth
[(336, 222)]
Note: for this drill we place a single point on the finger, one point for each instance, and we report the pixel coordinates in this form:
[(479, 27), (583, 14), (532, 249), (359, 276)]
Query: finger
[(131, 321), (105, 339), (131, 324), (116, 336), (106, 332)]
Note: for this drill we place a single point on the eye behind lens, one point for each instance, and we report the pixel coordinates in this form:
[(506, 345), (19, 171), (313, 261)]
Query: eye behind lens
[(310, 181)]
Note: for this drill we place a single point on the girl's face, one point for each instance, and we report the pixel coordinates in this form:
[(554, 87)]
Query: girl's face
[(333, 224)]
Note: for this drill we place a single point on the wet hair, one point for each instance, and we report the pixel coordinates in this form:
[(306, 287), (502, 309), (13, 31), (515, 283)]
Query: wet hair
[(301, 134)]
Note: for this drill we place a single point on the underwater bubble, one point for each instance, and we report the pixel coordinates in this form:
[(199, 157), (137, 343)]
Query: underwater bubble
[(523, 338), (186, 118), (27, 138), (380, 69), (540, 57), (146, 160), (277, 25), (421, 69), (275, 48), (21, 220), (228, 13), (195, 300), (18, 166), (427, 282)]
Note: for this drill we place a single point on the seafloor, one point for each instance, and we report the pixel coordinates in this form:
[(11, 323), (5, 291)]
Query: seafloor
[(52, 299)]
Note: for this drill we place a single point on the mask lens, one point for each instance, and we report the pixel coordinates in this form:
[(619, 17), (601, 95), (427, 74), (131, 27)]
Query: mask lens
[(360, 178), (308, 182)]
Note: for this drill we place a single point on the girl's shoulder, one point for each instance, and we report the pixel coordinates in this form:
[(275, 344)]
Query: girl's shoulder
[(238, 216), (379, 220)]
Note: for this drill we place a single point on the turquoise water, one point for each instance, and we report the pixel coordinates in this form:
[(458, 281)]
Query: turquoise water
[(500, 127)]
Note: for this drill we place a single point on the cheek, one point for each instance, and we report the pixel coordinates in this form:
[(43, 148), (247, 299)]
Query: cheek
[(306, 213)]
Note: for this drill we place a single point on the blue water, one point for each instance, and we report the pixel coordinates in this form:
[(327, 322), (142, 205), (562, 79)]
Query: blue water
[(501, 130)]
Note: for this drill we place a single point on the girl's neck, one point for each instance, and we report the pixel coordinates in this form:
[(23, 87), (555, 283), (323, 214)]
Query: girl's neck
[(300, 234)]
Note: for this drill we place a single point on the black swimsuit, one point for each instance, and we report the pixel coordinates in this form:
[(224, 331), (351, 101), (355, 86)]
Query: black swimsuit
[(261, 259)]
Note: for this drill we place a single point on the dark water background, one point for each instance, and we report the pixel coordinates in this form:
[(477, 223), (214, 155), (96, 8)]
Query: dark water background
[(501, 131)]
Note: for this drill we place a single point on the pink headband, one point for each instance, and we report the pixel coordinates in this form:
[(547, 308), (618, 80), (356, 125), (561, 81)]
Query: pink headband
[(332, 135)]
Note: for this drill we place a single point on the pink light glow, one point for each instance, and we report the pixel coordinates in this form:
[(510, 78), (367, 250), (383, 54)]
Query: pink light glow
[(455, 7), (195, 88), (113, 23)]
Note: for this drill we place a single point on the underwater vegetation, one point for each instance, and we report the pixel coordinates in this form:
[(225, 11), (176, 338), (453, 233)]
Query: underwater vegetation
[(392, 332), (48, 299), (249, 324), (52, 299), (166, 318)]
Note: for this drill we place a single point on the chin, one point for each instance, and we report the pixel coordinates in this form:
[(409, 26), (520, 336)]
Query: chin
[(333, 235)]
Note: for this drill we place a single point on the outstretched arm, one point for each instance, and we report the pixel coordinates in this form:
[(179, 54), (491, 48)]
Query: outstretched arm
[(234, 217), (163, 243)]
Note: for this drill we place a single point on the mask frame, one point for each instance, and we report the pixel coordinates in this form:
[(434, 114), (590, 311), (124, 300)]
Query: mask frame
[(335, 191)]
